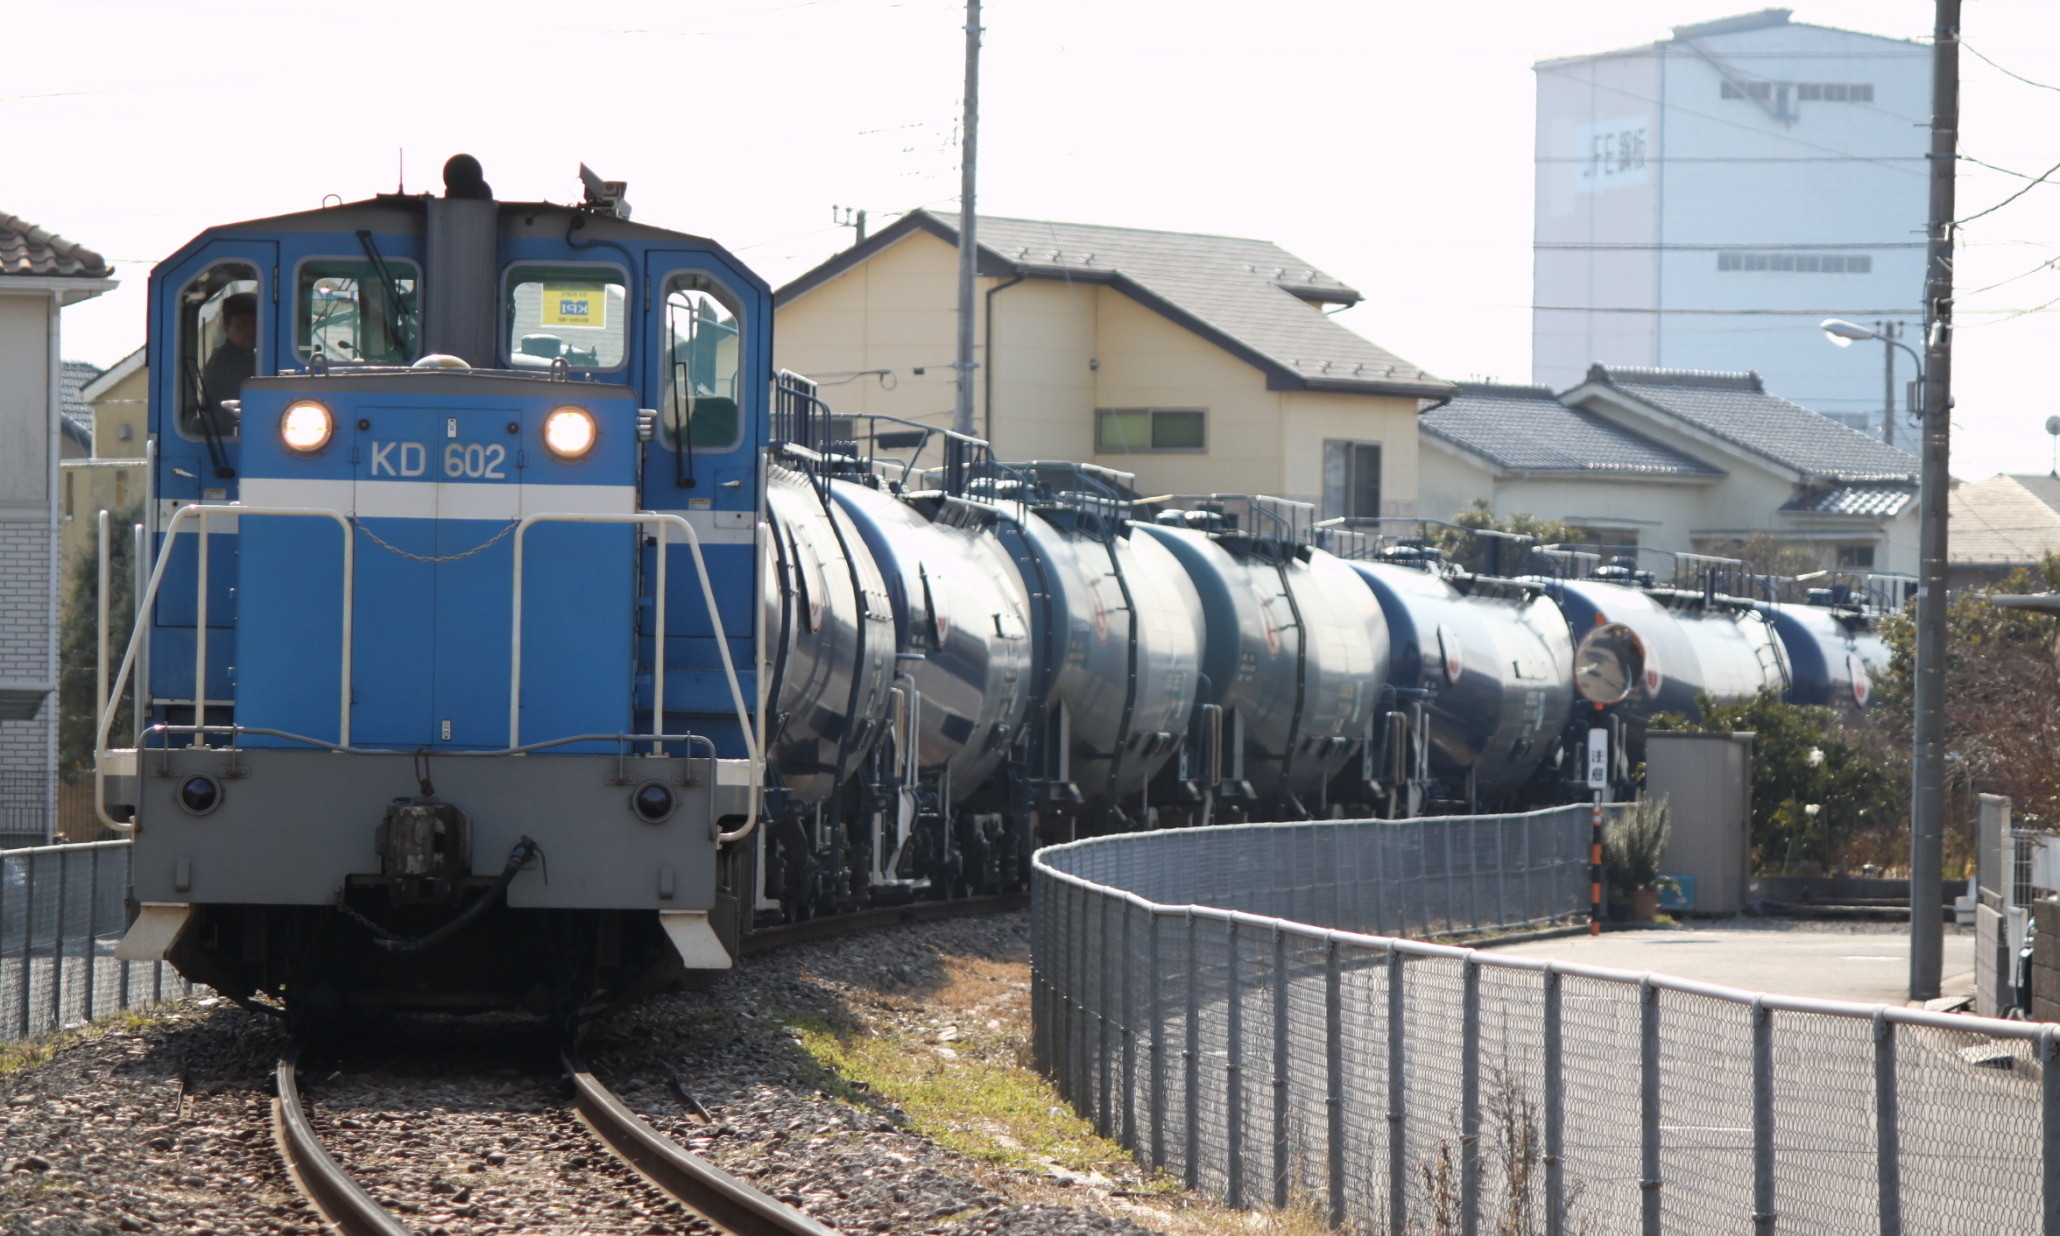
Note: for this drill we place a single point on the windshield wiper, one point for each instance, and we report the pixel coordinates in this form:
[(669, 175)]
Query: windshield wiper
[(403, 320)]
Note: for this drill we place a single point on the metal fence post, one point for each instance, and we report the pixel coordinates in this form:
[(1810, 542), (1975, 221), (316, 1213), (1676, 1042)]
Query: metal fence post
[(1156, 976), (57, 942), (1648, 1103), (28, 936), (1334, 1082), (1233, 1081), (92, 923), (1104, 1062), (1190, 1066), (1280, 1067), (1129, 1138), (1398, 1147), (2049, 1149), (1470, 1096), (1887, 1129), (1762, 1115), (1555, 1110)]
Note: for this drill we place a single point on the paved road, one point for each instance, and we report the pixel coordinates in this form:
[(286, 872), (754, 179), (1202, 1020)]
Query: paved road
[(1864, 962)]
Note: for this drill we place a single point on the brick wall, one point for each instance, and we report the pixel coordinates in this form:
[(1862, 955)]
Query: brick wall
[(27, 748)]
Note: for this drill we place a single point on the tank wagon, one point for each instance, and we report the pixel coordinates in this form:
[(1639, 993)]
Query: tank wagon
[(511, 634)]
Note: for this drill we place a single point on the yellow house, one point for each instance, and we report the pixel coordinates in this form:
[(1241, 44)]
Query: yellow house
[(113, 477), (1203, 364)]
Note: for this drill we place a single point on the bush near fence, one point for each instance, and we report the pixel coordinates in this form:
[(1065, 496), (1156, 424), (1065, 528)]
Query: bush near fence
[(62, 910), (1196, 1000)]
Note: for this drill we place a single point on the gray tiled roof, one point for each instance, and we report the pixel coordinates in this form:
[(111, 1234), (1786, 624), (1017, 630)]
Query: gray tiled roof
[(1738, 409), (1525, 429), (77, 413), (1876, 500), (1251, 297), (2002, 519), (26, 249)]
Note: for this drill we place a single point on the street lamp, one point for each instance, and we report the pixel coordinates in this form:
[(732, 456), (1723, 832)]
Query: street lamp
[(1844, 334)]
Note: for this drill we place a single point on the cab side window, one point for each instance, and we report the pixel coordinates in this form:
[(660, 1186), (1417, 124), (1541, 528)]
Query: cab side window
[(219, 320), (703, 335)]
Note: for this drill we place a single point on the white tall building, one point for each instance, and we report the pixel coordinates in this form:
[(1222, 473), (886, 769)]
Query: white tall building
[(1704, 200)]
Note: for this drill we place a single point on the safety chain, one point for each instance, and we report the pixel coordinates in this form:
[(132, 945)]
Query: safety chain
[(490, 542), (378, 932)]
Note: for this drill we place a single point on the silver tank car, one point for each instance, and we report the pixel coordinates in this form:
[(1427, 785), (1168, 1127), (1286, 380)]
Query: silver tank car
[(1293, 650), (1691, 644), (1487, 666), (1118, 631), (830, 641), (1834, 653), (961, 627)]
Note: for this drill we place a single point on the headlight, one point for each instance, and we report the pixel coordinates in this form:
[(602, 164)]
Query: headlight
[(306, 426), (570, 432)]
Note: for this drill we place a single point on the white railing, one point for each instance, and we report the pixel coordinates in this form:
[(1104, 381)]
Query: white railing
[(116, 761)]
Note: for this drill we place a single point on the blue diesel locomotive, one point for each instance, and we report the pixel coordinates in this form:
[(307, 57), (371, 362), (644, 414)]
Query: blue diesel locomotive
[(511, 634)]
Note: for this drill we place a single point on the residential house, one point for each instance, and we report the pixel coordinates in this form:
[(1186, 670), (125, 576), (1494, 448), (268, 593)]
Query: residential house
[(113, 475), (1202, 364), (40, 273), (1524, 451), (1998, 525), (1677, 460)]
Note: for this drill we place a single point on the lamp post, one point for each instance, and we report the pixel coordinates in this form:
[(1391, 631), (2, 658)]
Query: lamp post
[(1844, 334)]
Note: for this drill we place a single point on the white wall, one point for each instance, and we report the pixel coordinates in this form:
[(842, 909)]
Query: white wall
[(1724, 172)]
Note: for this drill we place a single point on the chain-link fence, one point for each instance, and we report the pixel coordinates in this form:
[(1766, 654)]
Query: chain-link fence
[(1404, 1086), (61, 912)]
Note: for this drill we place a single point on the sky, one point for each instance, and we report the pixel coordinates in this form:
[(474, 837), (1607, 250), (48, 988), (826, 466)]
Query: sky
[(1389, 144)]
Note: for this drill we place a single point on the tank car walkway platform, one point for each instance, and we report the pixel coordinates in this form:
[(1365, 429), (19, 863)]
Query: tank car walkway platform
[(1868, 963)]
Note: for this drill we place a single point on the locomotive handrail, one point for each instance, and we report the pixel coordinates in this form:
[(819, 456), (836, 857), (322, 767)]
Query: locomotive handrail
[(200, 511), (662, 521), (323, 744)]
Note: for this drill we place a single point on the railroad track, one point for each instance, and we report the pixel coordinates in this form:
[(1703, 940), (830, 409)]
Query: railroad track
[(890, 916), (693, 1182)]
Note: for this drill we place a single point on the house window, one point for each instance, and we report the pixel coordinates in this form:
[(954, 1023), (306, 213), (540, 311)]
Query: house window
[(1351, 480), (1607, 538), (1805, 92), (1856, 557), (1121, 430), (1805, 263)]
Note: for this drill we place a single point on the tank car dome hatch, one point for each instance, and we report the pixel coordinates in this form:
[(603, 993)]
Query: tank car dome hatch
[(441, 360)]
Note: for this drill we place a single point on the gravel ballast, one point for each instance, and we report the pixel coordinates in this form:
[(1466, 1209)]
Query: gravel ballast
[(161, 1124)]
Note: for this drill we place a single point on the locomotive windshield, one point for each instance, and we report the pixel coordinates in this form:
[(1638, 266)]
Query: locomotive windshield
[(701, 349), (350, 311), (571, 313)]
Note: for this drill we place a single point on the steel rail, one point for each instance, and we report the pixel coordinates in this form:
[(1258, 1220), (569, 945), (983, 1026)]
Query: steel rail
[(342, 1202), (889, 916), (694, 1182)]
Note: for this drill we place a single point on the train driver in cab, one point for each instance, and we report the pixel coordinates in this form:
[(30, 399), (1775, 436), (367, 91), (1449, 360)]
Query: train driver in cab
[(234, 360)]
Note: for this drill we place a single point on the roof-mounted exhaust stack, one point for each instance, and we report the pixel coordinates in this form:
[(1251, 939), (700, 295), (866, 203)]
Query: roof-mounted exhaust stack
[(462, 246)]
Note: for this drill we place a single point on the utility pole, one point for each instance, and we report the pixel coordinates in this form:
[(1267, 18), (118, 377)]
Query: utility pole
[(1928, 788), (1889, 332), (962, 411)]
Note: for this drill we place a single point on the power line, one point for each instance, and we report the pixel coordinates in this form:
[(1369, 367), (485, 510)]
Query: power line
[(1966, 46), (1641, 246), (2006, 201)]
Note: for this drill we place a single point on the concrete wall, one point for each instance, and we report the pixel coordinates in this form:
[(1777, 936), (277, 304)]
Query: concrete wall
[(1062, 349)]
